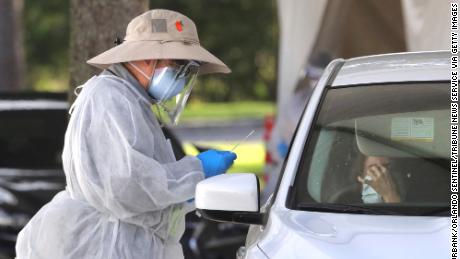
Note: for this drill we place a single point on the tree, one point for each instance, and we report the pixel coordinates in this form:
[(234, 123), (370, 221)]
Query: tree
[(243, 34), (94, 26), (11, 46)]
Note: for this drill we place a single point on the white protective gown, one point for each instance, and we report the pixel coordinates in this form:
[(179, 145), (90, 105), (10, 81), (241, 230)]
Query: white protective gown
[(126, 193)]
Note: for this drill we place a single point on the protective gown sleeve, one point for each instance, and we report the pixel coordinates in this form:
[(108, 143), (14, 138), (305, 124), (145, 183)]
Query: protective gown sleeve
[(116, 166)]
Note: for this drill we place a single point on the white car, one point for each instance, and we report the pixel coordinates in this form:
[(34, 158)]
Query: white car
[(368, 171)]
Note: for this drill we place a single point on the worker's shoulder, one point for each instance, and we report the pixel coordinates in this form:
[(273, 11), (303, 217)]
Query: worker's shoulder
[(111, 87), (107, 93)]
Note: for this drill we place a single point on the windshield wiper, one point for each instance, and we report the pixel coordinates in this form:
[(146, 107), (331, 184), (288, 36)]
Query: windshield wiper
[(344, 208)]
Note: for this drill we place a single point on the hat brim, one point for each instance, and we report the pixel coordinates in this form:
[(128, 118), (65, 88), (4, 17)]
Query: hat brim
[(146, 50)]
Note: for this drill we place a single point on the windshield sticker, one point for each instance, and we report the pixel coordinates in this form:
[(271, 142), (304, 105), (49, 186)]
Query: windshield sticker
[(414, 129)]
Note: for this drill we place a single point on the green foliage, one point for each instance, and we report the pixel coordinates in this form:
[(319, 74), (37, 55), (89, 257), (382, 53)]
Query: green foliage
[(46, 39), (243, 34)]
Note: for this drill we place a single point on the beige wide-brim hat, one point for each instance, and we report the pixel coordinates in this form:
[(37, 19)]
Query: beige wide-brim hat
[(161, 34)]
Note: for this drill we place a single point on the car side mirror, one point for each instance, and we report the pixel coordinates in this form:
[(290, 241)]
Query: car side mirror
[(230, 198)]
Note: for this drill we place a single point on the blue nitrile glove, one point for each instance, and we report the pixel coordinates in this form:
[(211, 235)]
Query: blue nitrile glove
[(216, 162)]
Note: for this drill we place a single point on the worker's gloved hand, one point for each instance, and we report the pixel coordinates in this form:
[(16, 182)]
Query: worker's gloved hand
[(216, 162)]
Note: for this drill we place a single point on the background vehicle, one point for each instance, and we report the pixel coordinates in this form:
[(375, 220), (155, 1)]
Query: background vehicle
[(32, 128), (394, 106)]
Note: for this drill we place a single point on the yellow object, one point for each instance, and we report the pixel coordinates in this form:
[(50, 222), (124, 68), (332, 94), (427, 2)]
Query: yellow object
[(250, 155)]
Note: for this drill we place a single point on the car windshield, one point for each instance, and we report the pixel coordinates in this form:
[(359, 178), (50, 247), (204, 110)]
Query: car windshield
[(380, 147)]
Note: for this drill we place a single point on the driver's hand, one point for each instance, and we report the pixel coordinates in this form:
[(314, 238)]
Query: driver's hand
[(379, 178)]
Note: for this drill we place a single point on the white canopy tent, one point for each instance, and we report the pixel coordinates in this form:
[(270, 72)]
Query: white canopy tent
[(299, 23), (344, 28), (426, 24)]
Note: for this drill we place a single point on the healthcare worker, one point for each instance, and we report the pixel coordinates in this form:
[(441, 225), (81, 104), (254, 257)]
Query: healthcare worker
[(126, 194)]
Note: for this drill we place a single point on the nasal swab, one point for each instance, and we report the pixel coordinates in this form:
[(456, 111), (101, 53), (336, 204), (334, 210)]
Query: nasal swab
[(243, 140)]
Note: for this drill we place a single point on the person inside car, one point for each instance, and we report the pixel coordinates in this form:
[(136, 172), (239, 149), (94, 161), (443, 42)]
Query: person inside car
[(377, 181)]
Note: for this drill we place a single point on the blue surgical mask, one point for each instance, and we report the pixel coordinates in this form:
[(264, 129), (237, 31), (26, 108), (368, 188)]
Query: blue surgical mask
[(369, 195), (163, 84)]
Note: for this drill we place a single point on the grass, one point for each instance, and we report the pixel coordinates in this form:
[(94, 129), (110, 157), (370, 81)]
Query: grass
[(251, 155), (227, 111)]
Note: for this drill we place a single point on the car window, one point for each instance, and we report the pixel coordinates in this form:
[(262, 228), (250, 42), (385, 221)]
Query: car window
[(379, 145), (32, 139)]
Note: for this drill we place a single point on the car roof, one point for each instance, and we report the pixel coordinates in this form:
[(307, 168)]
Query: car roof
[(33, 101), (398, 67)]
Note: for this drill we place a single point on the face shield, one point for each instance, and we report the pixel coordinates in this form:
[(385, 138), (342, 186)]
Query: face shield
[(170, 87)]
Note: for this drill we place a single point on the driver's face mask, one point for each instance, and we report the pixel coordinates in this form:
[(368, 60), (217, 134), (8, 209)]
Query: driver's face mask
[(369, 195)]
